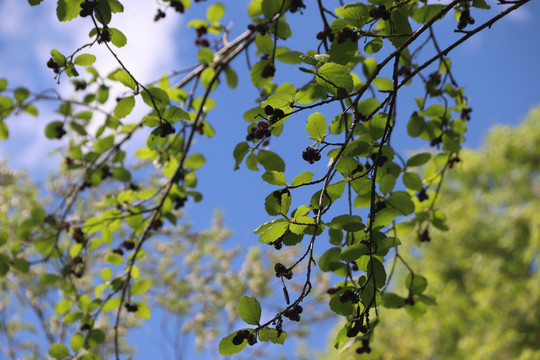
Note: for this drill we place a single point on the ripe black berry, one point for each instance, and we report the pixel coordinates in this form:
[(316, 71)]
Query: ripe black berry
[(422, 195), (297, 5), (268, 71), (178, 6), (268, 110), (87, 8), (311, 155), (165, 128), (131, 307)]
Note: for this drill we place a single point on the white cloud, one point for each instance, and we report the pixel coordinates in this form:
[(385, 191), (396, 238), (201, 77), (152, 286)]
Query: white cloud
[(150, 52)]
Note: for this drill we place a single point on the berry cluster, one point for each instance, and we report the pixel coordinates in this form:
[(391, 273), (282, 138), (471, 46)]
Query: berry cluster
[(274, 114), (297, 5), (466, 114), (424, 236), (326, 33), (349, 296), (160, 15), (282, 271), (242, 335), (156, 224), (52, 65), (311, 155), (128, 244), (165, 129), (380, 13), (436, 141), (465, 19), (268, 71), (104, 36), (422, 195), (118, 251), (78, 235), (260, 28), (79, 85), (346, 33), (433, 83), (202, 30), (87, 8), (131, 307), (452, 161), (378, 161), (293, 313), (179, 202), (277, 244), (355, 328), (365, 347), (178, 6)]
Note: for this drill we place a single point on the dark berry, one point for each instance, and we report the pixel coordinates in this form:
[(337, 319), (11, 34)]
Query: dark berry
[(128, 245), (118, 251), (131, 307), (268, 71), (268, 110), (160, 15), (311, 155)]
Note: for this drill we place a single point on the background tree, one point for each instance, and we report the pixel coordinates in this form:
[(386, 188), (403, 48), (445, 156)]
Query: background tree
[(363, 56), (484, 270)]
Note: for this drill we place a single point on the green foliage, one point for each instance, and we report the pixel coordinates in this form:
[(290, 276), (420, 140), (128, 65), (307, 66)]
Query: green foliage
[(92, 251)]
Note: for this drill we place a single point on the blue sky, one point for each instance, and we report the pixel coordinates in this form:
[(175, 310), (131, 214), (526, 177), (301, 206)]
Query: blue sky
[(498, 68)]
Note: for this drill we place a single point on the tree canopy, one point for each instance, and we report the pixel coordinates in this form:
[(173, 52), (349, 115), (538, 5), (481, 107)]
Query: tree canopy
[(484, 271), (94, 258)]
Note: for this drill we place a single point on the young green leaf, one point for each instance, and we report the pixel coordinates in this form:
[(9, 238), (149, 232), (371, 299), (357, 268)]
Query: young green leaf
[(249, 309), (316, 126)]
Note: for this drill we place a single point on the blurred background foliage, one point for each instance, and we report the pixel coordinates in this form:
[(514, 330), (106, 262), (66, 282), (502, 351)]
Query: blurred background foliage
[(484, 270)]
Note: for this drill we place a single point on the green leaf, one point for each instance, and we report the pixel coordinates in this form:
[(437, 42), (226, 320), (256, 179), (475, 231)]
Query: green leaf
[(215, 12), (239, 152), (398, 24), (387, 183), (76, 342), (302, 178), (425, 13), (330, 259), (334, 76), (274, 178), (373, 46), (481, 4), (20, 94), (355, 14), (264, 44), (418, 159), (58, 57), (416, 283), (124, 107), (274, 232), (140, 287), (3, 84), (401, 201), (230, 77), (67, 10), (111, 304), (354, 252), (268, 334), (117, 37), (104, 144), (125, 78), (174, 113), (205, 55), (383, 84), (85, 59), (34, 2), (58, 351), (227, 348), (412, 181), (249, 309), (376, 272), (143, 311), (392, 301), (155, 96), (4, 131), (114, 259), (194, 161), (270, 8), (271, 161), (342, 52), (63, 306), (316, 126), (340, 308)]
